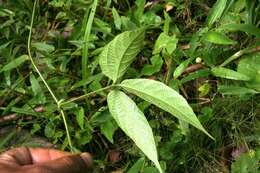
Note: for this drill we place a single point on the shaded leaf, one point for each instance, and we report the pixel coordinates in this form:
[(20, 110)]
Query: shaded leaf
[(80, 117), (140, 9), (165, 98), (229, 74), (196, 75), (43, 47), (108, 129), (250, 66), (37, 90), (218, 38), (137, 166), (250, 29), (156, 65), (133, 122), (216, 11), (150, 170), (15, 63), (180, 69), (117, 19), (117, 56), (235, 90)]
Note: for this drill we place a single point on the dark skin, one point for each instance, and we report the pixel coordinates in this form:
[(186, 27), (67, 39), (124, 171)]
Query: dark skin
[(41, 160)]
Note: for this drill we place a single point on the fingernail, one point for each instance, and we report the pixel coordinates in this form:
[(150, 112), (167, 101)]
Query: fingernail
[(87, 159)]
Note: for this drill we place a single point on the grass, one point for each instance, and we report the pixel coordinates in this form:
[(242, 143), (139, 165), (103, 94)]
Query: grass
[(64, 39)]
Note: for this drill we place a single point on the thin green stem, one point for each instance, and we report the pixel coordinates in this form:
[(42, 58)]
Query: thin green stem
[(86, 95), (30, 56), (85, 70), (39, 73), (66, 127), (239, 54)]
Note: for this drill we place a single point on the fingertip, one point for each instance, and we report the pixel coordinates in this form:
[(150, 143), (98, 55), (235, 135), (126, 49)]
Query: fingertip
[(86, 157)]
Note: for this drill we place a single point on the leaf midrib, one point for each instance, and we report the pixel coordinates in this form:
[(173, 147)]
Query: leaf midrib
[(127, 47)]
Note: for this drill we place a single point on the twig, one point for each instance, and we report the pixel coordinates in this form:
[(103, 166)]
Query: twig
[(193, 68), (14, 116)]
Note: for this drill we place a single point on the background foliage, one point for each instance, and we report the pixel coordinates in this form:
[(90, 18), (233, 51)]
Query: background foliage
[(205, 50)]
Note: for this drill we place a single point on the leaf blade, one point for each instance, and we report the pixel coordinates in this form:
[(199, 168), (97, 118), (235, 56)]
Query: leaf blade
[(15, 63), (218, 38), (165, 98), (248, 28), (133, 122), (229, 74), (216, 11), (117, 56)]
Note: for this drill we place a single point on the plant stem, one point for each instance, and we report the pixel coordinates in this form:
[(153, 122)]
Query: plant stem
[(39, 73), (169, 71), (85, 70), (86, 95), (239, 54)]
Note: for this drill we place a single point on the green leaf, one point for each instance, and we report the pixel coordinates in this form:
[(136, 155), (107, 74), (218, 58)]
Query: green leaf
[(133, 122), (250, 11), (179, 70), (204, 89), (100, 117), (87, 81), (117, 19), (108, 129), (165, 98), (196, 75), (156, 66), (117, 56), (15, 63), (229, 74), (248, 28), (37, 90), (80, 117), (218, 38), (5, 139), (137, 166), (43, 47), (150, 170), (247, 162), (166, 42), (140, 9), (216, 11), (235, 90), (250, 66)]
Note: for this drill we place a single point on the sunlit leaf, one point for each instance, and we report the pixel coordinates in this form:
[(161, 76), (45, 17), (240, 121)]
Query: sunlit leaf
[(165, 98), (117, 56), (133, 122), (166, 42)]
